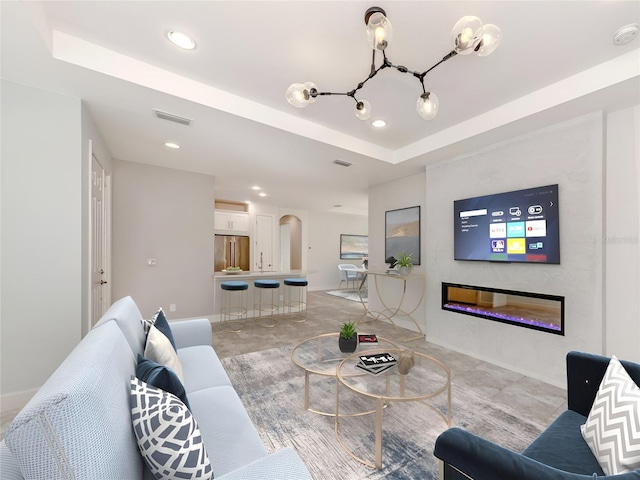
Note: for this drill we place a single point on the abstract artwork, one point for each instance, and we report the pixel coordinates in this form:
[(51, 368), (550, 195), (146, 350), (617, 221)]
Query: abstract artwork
[(402, 233), (353, 247)]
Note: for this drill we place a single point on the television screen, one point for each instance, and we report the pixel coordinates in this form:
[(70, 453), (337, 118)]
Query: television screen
[(519, 226)]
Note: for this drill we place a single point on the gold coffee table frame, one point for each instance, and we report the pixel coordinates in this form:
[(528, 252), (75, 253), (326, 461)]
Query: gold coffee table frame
[(403, 393), (328, 366), (390, 312)]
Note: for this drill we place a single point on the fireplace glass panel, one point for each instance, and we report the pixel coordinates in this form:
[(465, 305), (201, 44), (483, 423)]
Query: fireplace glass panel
[(525, 309)]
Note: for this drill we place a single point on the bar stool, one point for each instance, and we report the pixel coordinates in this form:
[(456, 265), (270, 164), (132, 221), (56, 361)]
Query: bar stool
[(272, 308), (295, 297), (233, 306)]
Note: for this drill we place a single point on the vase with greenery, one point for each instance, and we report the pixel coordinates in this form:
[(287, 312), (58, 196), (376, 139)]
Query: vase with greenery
[(348, 338), (404, 263)]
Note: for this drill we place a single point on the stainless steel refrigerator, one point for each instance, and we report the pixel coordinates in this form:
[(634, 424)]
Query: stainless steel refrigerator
[(231, 251)]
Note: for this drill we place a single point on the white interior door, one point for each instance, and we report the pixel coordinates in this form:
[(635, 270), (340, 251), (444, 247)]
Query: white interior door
[(99, 250), (263, 255)]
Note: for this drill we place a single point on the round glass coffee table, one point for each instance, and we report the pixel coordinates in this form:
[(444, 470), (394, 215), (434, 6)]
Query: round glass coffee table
[(427, 379), (321, 355)]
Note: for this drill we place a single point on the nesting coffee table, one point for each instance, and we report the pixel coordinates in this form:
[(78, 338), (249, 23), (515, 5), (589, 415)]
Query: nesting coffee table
[(427, 379), (321, 355)]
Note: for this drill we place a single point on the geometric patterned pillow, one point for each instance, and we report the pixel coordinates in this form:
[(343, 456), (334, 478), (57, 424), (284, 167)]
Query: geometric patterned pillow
[(168, 436), (612, 429)]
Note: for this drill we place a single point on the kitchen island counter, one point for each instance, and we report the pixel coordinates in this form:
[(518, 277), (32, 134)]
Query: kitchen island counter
[(250, 277), (223, 276)]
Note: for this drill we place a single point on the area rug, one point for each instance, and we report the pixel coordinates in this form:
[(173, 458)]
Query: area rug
[(348, 295), (271, 388)]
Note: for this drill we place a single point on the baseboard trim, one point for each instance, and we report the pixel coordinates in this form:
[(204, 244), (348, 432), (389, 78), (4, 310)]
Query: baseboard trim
[(16, 401)]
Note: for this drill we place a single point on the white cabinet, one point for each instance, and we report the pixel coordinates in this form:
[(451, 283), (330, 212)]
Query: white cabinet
[(231, 222)]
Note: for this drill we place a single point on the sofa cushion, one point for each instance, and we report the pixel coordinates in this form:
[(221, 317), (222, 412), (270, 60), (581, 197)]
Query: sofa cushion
[(231, 439), (162, 377), (612, 429), (81, 412), (159, 349), (196, 377), (167, 434), (161, 323), (563, 436)]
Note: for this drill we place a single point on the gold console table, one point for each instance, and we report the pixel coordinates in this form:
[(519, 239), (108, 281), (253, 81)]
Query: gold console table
[(399, 309)]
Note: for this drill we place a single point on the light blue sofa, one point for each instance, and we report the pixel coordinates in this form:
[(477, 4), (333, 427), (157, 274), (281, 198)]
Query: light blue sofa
[(78, 425)]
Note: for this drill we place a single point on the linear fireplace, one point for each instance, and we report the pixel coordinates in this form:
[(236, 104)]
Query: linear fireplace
[(525, 309)]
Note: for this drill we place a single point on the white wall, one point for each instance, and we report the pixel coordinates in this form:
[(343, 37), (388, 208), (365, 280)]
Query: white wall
[(570, 154), (402, 193), (622, 235), (164, 214), (324, 246), (41, 246)]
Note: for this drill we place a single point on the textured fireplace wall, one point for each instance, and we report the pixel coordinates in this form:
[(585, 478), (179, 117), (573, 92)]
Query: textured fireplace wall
[(569, 154)]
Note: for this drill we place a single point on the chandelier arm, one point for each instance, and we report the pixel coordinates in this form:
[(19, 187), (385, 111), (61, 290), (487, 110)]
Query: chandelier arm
[(371, 75), (387, 63), (373, 63), (449, 55), (317, 94)]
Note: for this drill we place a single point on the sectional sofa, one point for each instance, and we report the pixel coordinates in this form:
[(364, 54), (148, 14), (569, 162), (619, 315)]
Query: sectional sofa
[(79, 423)]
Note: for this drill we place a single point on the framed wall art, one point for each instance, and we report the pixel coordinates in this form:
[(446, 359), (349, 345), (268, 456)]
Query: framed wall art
[(353, 247), (402, 233)]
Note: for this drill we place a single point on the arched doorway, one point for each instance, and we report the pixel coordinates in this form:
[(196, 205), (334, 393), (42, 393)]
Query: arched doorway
[(290, 243)]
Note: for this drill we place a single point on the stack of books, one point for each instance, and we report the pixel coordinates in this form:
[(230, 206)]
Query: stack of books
[(376, 363)]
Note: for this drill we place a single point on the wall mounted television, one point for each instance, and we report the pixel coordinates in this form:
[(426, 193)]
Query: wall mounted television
[(520, 226)]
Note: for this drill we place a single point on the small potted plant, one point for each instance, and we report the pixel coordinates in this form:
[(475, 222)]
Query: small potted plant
[(348, 338), (404, 264)]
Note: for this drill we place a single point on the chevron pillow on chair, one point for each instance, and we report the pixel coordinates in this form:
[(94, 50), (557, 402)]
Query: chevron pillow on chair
[(612, 429)]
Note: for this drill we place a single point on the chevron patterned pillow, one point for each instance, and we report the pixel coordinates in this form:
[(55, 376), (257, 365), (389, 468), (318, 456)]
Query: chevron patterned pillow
[(612, 429), (168, 436)]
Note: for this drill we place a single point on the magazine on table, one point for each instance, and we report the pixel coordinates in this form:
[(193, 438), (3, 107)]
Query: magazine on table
[(376, 363)]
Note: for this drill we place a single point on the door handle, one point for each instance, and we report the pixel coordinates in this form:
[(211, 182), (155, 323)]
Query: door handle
[(103, 282)]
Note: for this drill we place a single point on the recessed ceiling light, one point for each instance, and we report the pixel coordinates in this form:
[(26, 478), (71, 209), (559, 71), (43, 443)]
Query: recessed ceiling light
[(181, 40), (379, 123), (262, 194), (255, 187), (171, 145)]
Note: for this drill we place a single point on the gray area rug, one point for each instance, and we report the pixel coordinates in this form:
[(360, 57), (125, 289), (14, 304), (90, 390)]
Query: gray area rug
[(271, 388), (348, 294)]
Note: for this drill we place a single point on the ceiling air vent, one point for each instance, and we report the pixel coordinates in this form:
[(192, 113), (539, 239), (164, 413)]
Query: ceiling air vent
[(342, 163), (171, 117)]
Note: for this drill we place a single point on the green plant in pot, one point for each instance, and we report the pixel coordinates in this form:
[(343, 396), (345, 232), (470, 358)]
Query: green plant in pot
[(404, 263), (348, 338)]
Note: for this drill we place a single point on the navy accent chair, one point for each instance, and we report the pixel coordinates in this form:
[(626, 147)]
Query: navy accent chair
[(559, 453)]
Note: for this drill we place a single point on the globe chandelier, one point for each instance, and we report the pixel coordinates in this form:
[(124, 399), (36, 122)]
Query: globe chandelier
[(469, 35)]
